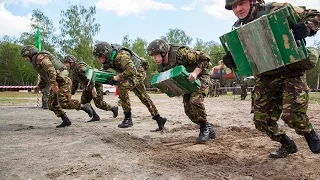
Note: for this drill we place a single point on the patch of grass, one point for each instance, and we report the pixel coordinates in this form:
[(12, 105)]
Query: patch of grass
[(7, 94), (9, 98), (314, 98)]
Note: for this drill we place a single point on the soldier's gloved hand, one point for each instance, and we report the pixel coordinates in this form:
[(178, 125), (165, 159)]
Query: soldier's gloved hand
[(228, 60), (110, 81), (300, 30)]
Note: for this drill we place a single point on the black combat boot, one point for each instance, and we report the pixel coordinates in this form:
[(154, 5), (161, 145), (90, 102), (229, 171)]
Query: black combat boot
[(95, 116), (87, 108), (114, 110), (65, 121), (287, 147), (212, 134), (204, 133), (127, 121), (160, 121), (313, 141)]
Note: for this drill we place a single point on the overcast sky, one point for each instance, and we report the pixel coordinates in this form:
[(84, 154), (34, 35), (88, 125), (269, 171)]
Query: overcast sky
[(149, 19)]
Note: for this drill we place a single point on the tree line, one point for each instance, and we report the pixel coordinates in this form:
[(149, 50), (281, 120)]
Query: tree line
[(78, 28)]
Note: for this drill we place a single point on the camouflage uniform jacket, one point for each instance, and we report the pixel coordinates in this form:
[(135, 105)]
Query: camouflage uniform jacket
[(78, 70), (189, 58), (123, 65), (309, 16), (43, 65)]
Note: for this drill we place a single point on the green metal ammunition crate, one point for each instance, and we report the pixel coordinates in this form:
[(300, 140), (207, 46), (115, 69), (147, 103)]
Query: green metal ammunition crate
[(96, 75), (174, 82), (264, 44)]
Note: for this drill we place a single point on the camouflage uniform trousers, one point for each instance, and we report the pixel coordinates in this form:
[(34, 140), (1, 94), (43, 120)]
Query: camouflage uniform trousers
[(62, 100), (45, 95), (139, 90), (86, 97), (193, 103), (276, 95), (212, 89)]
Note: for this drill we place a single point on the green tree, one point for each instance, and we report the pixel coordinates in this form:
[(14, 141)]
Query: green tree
[(78, 27), (211, 48), (126, 42), (14, 69), (177, 36)]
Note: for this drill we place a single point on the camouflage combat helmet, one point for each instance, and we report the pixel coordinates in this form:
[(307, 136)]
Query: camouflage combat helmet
[(69, 59), (102, 49), (158, 46), (230, 3), (28, 50)]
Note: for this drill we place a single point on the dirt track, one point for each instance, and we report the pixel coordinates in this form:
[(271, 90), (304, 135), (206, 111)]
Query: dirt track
[(31, 148)]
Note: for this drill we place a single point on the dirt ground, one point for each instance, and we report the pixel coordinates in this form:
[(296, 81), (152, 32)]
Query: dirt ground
[(31, 148)]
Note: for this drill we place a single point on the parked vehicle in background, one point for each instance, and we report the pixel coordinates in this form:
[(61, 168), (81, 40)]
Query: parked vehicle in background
[(107, 89)]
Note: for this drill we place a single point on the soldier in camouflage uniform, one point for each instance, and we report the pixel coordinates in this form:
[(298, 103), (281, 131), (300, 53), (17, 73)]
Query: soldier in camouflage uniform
[(197, 64), (131, 74), (53, 71), (91, 90), (281, 92)]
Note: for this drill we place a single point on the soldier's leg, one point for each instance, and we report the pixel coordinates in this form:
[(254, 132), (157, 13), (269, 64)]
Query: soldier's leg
[(65, 100), (45, 96), (101, 104), (267, 111), (295, 99), (86, 98), (206, 129), (188, 109), (124, 88), (140, 91), (54, 105)]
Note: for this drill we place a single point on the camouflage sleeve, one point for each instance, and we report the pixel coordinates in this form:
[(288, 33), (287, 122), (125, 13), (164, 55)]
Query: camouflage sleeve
[(44, 61), (75, 83), (43, 82), (123, 60), (309, 16), (190, 56)]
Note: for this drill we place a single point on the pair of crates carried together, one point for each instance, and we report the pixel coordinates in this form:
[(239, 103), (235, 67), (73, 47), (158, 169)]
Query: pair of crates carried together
[(264, 44), (173, 82)]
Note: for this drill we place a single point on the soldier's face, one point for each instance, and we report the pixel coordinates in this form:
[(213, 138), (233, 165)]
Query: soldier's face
[(27, 58), (67, 65), (241, 9), (102, 59), (157, 58)]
